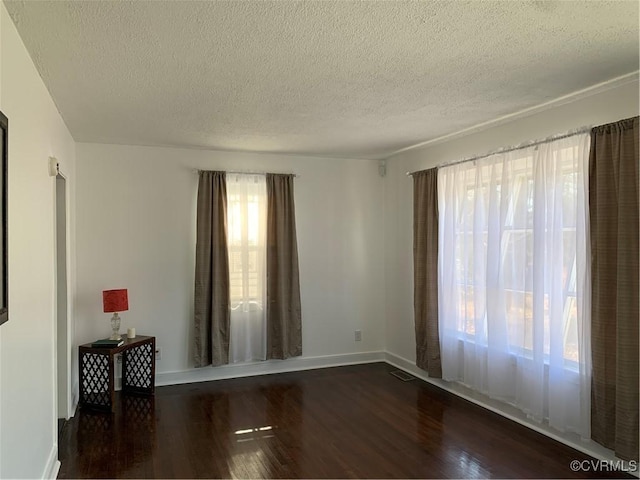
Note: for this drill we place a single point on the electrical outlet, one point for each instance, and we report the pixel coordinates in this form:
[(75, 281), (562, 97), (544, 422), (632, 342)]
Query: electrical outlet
[(158, 353), (358, 335)]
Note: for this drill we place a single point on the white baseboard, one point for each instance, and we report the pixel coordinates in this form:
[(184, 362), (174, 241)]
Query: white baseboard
[(52, 467), (572, 440), (206, 374)]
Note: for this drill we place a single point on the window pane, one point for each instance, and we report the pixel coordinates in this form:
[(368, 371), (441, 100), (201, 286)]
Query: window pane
[(510, 188), (246, 233)]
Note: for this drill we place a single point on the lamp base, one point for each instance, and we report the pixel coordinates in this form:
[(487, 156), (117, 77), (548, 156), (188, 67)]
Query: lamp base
[(115, 327)]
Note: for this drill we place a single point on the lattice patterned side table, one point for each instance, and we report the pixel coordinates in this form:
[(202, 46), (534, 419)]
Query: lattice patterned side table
[(97, 384)]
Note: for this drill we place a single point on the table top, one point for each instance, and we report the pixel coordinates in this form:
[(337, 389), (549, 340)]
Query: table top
[(128, 342)]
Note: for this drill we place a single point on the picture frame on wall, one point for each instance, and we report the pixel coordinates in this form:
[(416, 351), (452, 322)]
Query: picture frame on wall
[(4, 278)]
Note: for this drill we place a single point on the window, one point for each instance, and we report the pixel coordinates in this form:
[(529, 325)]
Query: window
[(231, 284), (245, 240), (512, 275), (246, 243), (516, 238)]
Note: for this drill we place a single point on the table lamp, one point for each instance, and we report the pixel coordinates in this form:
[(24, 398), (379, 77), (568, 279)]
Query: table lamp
[(115, 301)]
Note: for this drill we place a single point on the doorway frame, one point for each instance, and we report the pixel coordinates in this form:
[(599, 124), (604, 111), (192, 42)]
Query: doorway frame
[(62, 326)]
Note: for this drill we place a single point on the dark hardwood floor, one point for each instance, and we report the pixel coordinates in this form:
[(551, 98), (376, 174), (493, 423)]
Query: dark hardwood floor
[(344, 422)]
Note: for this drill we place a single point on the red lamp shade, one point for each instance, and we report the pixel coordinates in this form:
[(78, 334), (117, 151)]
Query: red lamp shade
[(115, 300)]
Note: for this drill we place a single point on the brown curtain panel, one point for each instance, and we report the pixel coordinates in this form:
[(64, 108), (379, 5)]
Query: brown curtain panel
[(425, 271), (284, 319), (211, 309), (613, 209)]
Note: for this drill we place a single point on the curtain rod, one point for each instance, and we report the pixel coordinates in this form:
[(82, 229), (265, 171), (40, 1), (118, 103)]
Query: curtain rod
[(521, 146), (197, 171)]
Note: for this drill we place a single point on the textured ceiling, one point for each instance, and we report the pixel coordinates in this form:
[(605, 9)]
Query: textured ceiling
[(337, 78)]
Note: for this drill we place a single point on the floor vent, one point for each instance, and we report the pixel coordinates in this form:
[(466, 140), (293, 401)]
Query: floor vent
[(404, 376)]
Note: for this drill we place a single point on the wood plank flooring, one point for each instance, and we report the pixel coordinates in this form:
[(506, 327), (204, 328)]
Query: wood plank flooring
[(343, 422)]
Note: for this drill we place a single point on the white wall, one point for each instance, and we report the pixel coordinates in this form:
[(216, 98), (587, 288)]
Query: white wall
[(28, 434), (136, 230), (606, 106)]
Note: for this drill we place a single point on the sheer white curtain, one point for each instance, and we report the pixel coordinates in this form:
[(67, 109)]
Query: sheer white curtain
[(513, 272), (246, 238)]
